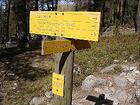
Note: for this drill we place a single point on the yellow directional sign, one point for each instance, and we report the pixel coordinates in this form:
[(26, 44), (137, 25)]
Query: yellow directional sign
[(58, 84), (59, 46), (76, 25), (55, 46)]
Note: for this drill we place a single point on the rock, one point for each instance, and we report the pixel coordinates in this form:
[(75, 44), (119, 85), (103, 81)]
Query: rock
[(110, 83), (48, 95), (133, 68), (82, 101), (138, 93), (98, 90), (123, 74), (130, 77), (121, 95), (107, 91), (125, 68), (37, 100), (137, 82), (136, 73), (91, 81), (15, 84), (133, 57), (77, 69), (109, 68), (120, 81), (112, 89), (138, 97), (116, 61), (100, 81), (115, 101), (129, 100), (125, 61), (13, 88), (75, 103), (11, 74)]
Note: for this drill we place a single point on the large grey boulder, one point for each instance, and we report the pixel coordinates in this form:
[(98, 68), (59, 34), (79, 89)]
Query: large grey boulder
[(138, 96), (91, 81), (138, 93), (121, 95), (130, 77), (121, 81), (137, 82)]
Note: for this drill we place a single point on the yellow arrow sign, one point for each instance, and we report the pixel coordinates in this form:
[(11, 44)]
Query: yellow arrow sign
[(59, 46), (76, 25)]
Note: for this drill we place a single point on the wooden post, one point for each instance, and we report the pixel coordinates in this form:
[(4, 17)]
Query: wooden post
[(64, 65)]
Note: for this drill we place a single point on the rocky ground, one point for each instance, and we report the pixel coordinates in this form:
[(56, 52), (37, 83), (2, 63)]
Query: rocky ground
[(122, 88), (117, 89), (25, 79), (23, 74)]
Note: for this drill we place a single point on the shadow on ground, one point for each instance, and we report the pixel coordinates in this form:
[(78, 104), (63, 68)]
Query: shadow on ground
[(19, 67), (100, 100)]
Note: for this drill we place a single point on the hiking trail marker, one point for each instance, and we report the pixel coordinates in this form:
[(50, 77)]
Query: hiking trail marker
[(79, 28), (60, 46), (58, 84), (76, 25)]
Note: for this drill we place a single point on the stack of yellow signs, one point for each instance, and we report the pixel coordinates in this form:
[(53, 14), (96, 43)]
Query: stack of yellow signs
[(76, 25)]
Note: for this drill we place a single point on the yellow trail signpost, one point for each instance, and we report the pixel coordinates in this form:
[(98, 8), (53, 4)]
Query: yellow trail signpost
[(76, 25), (78, 28)]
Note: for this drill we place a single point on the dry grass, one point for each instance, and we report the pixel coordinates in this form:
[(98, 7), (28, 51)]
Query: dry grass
[(104, 52)]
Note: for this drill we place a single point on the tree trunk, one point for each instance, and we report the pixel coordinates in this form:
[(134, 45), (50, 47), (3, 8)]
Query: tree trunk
[(22, 22), (8, 16), (56, 2), (42, 5), (87, 5), (111, 13), (123, 8), (52, 5), (36, 5), (138, 18), (103, 13), (49, 9)]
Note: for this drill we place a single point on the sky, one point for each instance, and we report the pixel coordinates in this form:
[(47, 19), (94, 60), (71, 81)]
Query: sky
[(65, 2), (1, 4)]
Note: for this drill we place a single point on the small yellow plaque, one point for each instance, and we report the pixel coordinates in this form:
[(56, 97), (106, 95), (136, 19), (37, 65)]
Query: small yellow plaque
[(76, 25), (58, 84)]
